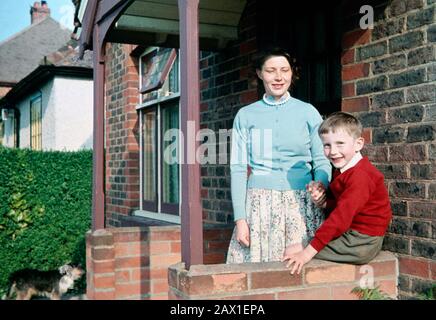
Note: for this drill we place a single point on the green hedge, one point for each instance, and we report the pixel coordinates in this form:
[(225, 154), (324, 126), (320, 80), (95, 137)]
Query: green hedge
[(45, 209)]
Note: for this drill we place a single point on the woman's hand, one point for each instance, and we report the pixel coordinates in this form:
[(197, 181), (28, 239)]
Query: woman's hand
[(243, 232), (317, 193)]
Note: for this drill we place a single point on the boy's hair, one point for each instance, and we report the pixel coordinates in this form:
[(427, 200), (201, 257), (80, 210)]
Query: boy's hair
[(341, 120)]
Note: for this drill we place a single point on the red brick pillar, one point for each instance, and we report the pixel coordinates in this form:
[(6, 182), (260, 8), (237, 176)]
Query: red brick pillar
[(100, 264)]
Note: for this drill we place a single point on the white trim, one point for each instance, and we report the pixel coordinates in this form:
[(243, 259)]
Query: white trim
[(158, 216), (141, 151), (158, 165), (157, 101), (82, 8), (141, 132)]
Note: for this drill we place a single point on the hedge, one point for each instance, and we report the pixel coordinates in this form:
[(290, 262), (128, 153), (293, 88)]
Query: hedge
[(45, 209)]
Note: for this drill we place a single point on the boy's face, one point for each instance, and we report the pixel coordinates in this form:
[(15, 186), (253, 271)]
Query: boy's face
[(340, 147)]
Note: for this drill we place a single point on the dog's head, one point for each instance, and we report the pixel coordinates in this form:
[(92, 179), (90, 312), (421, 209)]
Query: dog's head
[(74, 272)]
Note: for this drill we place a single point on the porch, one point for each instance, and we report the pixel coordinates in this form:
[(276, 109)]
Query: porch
[(362, 65)]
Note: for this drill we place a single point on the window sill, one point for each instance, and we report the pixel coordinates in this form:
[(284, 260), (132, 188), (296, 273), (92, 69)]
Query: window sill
[(157, 216)]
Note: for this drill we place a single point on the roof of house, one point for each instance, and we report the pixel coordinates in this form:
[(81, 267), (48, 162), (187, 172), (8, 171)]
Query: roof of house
[(21, 53), (68, 55), (41, 75), (62, 62)]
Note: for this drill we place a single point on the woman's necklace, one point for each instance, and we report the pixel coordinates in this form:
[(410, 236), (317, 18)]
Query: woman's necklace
[(272, 102)]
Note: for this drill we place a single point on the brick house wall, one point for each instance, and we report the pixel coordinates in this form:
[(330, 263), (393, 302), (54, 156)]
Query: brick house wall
[(227, 83), (389, 84), (122, 135)]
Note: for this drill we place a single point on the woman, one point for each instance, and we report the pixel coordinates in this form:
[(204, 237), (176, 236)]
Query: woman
[(277, 137)]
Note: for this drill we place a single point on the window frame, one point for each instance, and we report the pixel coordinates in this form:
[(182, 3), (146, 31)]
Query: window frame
[(159, 210), (33, 100), (147, 204), (168, 208)]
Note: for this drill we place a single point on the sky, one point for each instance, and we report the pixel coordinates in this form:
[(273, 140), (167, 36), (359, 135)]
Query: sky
[(15, 15)]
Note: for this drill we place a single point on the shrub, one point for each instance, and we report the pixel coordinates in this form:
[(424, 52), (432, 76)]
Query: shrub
[(45, 209), (370, 293)]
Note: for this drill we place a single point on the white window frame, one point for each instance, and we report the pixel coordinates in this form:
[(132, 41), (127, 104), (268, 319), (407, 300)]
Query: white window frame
[(141, 107)]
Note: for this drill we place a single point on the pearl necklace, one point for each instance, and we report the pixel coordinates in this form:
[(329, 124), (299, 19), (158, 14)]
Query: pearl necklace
[(269, 100)]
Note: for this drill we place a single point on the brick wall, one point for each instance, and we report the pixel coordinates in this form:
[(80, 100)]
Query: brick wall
[(132, 263), (227, 83), (319, 280), (122, 136), (389, 83)]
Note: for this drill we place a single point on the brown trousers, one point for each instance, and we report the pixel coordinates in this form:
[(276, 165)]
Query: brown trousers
[(352, 247)]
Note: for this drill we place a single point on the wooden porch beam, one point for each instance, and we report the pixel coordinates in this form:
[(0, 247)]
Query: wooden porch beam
[(191, 212), (98, 194)]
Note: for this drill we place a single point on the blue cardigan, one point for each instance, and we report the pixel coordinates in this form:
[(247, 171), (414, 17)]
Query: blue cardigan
[(281, 145)]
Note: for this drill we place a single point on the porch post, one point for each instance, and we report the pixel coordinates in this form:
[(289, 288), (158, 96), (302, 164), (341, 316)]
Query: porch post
[(98, 134), (191, 213)]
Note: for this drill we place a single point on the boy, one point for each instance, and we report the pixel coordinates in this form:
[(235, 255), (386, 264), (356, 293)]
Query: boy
[(358, 201)]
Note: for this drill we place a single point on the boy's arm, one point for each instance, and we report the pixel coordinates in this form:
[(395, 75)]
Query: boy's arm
[(330, 202), (357, 192)]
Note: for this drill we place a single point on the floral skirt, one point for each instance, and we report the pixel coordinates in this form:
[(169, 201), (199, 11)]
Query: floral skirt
[(276, 220)]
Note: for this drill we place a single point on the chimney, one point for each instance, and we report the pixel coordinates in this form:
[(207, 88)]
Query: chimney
[(39, 11)]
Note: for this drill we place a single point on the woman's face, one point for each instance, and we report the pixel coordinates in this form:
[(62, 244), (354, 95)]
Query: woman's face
[(276, 75)]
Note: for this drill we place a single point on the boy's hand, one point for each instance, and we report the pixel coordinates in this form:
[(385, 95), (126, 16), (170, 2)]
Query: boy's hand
[(317, 193), (299, 259), (243, 232), (293, 248)]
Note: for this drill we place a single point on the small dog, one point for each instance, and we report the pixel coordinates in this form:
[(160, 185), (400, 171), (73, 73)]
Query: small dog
[(53, 284)]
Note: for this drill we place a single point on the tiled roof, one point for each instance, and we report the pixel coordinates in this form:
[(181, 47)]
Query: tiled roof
[(23, 52), (68, 55)]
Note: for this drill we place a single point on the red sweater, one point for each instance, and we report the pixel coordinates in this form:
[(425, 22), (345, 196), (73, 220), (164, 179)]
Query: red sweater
[(361, 203)]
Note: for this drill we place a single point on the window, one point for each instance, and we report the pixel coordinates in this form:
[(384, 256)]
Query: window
[(159, 121), (36, 123)]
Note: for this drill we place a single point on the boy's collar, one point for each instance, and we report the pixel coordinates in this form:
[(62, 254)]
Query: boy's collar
[(356, 158)]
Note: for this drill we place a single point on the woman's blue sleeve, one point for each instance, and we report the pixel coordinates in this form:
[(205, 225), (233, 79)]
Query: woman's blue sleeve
[(322, 169), (238, 167)]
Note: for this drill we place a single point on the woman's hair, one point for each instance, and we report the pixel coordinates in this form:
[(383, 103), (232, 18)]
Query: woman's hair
[(261, 57), (341, 120)]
